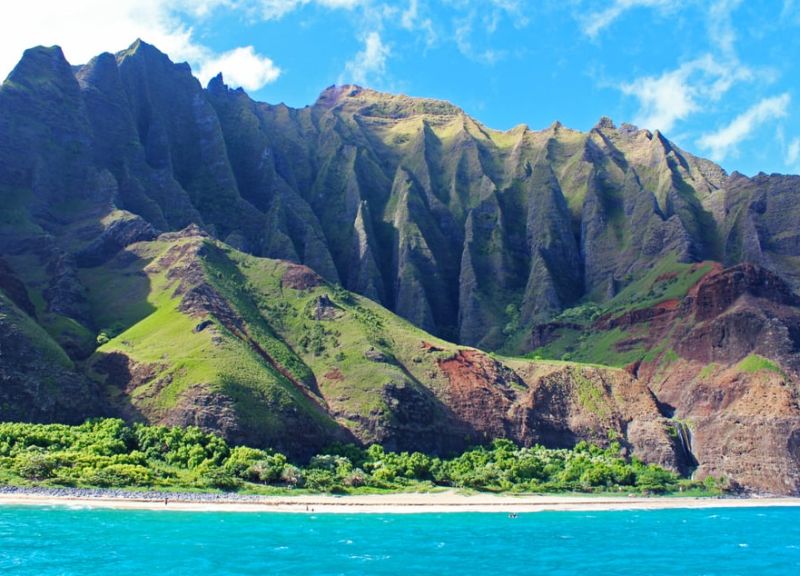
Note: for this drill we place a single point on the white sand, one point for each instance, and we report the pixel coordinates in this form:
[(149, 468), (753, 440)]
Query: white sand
[(438, 502)]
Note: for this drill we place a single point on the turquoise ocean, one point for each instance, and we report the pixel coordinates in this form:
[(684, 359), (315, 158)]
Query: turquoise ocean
[(63, 541)]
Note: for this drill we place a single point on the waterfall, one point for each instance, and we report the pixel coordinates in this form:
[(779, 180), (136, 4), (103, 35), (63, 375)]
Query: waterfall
[(684, 435)]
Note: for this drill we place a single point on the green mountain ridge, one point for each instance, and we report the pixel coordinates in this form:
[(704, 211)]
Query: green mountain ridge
[(183, 255)]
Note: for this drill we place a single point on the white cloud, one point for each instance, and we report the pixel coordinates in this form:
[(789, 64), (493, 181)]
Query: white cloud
[(411, 20), (464, 30), (410, 15), (514, 10), (240, 67), (724, 141), (596, 22), (720, 26), (368, 63), (663, 100), (675, 94), (793, 152), (84, 29)]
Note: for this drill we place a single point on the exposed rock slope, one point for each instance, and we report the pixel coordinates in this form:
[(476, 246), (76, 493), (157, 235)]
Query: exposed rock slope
[(720, 348)]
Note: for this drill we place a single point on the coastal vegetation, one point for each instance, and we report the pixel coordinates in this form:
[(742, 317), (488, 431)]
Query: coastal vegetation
[(109, 453)]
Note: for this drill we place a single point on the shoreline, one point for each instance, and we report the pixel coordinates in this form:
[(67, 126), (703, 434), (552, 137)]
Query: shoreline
[(399, 503)]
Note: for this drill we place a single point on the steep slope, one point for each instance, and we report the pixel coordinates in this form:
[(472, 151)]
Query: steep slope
[(720, 348), (269, 353), (38, 381), (453, 222), (461, 229)]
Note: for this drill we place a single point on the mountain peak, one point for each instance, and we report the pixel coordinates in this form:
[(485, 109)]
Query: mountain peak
[(369, 102), (605, 123), (42, 65), (140, 45), (141, 49), (41, 58), (217, 83), (333, 94)]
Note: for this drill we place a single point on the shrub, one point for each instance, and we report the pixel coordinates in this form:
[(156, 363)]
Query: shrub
[(119, 475), (320, 480), (292, 476), (212, 477), (35, 466)]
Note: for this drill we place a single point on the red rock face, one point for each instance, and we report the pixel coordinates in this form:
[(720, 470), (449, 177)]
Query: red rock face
[(745, 423), (663, 312), (555, 405), (480, 392), (300, 277), (744, 426), (717, 292)]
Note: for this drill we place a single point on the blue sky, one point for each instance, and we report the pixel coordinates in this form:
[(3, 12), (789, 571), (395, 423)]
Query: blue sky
[(720, 78)]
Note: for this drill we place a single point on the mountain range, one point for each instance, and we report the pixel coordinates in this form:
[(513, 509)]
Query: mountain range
[(380, 268)]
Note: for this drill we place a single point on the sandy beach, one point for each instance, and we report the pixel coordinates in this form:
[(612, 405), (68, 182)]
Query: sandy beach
[(400, 503)]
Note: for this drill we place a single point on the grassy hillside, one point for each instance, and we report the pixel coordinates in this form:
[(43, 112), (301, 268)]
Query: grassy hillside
[(262, 334), (620, 332), (194, 332)]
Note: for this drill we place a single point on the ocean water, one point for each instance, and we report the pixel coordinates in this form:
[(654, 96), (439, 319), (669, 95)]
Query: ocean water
[(49, 541)]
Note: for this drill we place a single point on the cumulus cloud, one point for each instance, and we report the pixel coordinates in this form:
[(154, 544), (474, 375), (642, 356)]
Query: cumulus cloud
[(240, 67), (663, 99), (596, 22), (369, 63), (675, 94), (724, 141), (697, 84), (84, 29)]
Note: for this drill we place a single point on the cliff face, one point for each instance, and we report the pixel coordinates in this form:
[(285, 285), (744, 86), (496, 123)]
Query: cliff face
[(720, 350), (407, 201), (735, 378), (611, 247)]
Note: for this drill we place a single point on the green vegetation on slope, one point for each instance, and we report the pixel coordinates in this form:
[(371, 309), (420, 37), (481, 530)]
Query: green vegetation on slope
[(580, 339), (108, 453), (353, 353), (144, 300), (756, 363), (667, 280), (51, 351)]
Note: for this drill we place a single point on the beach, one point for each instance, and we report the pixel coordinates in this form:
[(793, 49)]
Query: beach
[(397, 503)]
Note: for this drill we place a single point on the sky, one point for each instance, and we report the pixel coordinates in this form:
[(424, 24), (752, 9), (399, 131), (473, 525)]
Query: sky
[(720, 78)]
